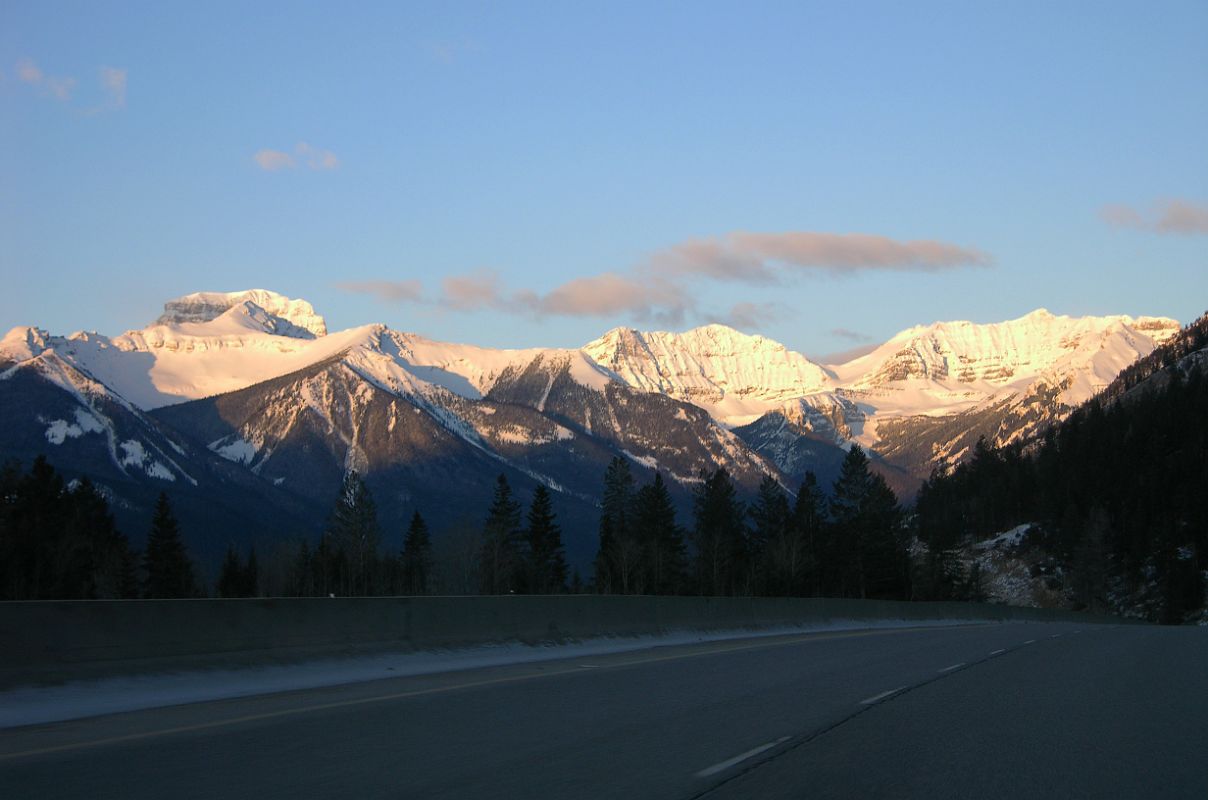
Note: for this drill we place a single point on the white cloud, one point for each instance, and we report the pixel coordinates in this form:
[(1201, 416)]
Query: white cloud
[(113, 82), (316, 158), (1174, 216), (313, 158), (273, 160), (768, 257), (662, 289), (30, 73), (406, 291)]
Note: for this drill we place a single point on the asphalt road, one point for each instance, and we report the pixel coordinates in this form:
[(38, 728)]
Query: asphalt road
[(1008, 710)]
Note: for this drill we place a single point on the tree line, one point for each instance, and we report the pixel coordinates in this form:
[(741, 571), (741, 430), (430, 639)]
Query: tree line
[(852, 544), (1118, 493), (58, 540)]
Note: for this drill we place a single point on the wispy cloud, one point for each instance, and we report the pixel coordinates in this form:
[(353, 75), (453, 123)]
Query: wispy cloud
[(1174, 216), (662, 289), (473, 292), (315, 157), (408, 291), (850, 335), (273, 160), (750, 316), (448, 52), (113, 82), (58, 87), (309, 156), (769, 257)]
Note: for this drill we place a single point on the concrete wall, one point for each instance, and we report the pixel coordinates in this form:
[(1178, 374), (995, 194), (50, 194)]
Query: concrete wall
[(47, 641)]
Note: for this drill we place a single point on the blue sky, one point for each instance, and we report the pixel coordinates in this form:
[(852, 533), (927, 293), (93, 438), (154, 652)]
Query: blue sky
[(520, 174)]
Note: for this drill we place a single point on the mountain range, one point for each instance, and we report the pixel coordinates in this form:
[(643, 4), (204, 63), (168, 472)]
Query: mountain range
[(248, 410)]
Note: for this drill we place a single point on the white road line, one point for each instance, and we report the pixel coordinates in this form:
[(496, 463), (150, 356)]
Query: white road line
[(1055, 636), (954, 666), (738, 759), (878, 697), (1030, 641), (996, 652), (589, 666)]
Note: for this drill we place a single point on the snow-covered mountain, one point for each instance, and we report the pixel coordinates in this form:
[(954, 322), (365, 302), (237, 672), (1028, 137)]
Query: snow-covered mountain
[(735, 377), (430, 424), (255, 380), (931, 391)]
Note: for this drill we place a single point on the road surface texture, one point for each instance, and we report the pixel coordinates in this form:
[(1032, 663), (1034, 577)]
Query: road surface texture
[(977, 711)]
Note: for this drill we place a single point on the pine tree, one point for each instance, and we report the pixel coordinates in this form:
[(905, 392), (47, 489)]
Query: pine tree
[(416, 562), (661, 538), (353, 536), (772, 544), (864, 536), (500, 559), (169, 571), (618, 561), (230, 580), (718, 534), (547, 562), (251, 575), (808, 522)]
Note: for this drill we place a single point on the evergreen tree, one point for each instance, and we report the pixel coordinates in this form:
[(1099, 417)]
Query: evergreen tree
[(661, 538), (251, 575), (500, 560), (169, 571), (230, 580), (547, 562), (718, 534), (809, 518), (619, 560), (416, 562), (773, 541), (864, 542), (353, 535)]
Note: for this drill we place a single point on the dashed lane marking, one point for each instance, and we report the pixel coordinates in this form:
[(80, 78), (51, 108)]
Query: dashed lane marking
[(722, 766), (876, 698)]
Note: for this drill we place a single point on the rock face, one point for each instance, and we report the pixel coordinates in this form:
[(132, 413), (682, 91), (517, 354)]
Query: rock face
[(201, 307), (733, 376)]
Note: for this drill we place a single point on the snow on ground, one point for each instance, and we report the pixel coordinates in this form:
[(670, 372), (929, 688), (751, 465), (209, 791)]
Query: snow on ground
[(1011, 538), (34, 705)]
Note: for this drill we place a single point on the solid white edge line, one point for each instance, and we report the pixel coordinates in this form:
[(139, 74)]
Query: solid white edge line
[(997, 652), (881, 696), (738, 759), (954, 666)]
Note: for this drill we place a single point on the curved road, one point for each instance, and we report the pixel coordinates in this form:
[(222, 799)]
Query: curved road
[(1006, 710)]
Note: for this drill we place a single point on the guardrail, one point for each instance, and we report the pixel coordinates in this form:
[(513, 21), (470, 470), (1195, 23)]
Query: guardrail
[(55, 640)]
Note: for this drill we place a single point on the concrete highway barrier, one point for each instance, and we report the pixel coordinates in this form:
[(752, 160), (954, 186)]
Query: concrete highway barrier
[(56, 640)]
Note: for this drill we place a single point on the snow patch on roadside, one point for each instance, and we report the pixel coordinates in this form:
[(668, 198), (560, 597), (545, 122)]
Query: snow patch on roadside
[(36, 705)]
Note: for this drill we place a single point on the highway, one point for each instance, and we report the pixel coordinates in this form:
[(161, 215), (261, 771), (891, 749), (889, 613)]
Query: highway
[(977, 711)]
